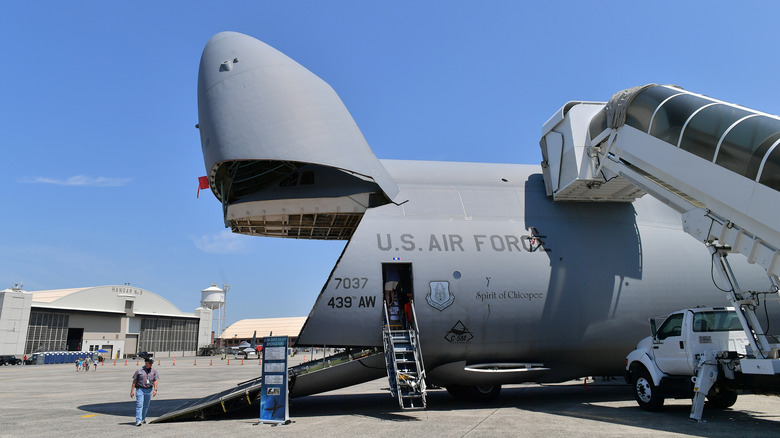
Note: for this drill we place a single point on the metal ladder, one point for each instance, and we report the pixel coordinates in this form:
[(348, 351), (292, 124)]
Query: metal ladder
[(403, 357)]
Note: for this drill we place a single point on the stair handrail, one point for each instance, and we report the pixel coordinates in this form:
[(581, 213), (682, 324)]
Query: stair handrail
[(386, 320), (418, 349), (414, 316)]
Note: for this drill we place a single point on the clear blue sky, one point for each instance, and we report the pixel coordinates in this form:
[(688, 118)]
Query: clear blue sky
[(98, 106)]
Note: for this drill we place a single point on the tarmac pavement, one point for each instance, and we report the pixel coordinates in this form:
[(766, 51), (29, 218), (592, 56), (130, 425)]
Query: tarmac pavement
[(41, 400)]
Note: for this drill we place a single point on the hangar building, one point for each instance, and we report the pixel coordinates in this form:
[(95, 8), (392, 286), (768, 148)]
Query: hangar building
[(122, 320)]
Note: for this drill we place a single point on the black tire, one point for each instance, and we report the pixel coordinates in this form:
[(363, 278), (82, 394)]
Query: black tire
[(645, 391), (481, 393), (720, 398), (457, 391)]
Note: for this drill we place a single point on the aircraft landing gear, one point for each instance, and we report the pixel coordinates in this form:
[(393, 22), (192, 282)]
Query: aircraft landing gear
[(479, 393)]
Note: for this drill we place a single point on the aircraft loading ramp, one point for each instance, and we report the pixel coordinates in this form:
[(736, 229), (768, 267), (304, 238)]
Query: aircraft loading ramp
[(308, 378)]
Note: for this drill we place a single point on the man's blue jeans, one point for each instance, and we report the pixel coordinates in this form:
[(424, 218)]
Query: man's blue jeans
[(142, 398)]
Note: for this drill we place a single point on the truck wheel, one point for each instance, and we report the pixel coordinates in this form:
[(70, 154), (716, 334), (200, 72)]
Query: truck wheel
[(645, 392), (720, 398)]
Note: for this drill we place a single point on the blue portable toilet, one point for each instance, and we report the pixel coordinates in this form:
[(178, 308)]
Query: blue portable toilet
[(47, 358)]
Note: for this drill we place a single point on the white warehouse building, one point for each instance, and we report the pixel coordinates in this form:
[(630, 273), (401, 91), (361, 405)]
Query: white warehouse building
[(123, 320)]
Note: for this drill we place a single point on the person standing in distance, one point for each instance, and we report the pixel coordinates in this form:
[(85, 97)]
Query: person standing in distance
[(144, 387)]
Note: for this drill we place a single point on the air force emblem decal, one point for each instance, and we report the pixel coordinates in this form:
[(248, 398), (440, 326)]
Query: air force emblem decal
[(440, 296)]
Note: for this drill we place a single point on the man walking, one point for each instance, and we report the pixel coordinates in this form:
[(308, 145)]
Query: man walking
[(144, 387)]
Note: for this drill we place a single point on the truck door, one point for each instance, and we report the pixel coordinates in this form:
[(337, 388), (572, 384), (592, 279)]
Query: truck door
[(669, 349)]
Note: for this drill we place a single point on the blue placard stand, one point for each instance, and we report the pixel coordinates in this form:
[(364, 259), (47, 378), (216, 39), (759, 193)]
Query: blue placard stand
[(274, 408)]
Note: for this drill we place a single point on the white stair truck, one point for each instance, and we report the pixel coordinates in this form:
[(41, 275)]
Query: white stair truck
[(667, 364), (718, 165)]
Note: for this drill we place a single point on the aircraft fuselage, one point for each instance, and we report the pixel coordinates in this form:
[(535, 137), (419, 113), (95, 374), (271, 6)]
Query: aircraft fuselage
[(501, 274)]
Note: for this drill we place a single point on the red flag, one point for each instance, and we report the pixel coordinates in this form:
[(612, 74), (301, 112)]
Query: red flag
[(203, 183)]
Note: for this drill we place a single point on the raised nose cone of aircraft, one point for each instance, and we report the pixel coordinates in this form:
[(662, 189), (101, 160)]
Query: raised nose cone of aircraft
[(256, 104)]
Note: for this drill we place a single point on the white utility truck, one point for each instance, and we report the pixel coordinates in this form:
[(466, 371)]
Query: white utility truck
[(666, 364)]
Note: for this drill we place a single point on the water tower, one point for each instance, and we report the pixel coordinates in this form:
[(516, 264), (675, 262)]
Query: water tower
[(214, 298)]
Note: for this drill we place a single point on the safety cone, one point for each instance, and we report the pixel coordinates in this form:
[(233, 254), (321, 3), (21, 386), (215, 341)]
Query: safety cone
[(211, 362), (125, 362), (136, 361), (242, 361), (114, 362), (196, 361), (228, 362)]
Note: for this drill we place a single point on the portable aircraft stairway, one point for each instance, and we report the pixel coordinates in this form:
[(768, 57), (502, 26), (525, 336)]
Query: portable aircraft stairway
[(405, 369), (716, 163)]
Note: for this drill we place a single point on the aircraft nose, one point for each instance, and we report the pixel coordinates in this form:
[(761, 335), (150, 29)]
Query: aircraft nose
[(256, 103), (230, 53)]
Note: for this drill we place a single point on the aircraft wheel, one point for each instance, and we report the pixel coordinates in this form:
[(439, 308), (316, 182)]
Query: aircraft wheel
[(479, 393), (457, 391), (720, 398), (645, 392), (484, 393)]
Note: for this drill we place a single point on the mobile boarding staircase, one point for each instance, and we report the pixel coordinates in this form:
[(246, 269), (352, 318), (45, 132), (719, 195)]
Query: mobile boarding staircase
[(716, 163), (403, 357)]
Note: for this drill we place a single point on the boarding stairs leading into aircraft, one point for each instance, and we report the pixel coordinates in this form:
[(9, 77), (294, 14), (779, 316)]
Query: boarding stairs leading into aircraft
[(403, 357), (716, 163)]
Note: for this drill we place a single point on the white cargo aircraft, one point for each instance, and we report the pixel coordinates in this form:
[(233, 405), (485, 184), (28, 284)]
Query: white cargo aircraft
[(503, 285)]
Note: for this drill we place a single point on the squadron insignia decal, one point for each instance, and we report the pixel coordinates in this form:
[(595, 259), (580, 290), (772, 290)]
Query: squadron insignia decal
[(440, 296), (459, 334)]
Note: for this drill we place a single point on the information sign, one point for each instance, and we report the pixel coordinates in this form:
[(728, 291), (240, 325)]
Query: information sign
[(273, 392)]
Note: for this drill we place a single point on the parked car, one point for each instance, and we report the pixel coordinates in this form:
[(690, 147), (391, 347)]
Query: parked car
[(10, 360), (141, 355)]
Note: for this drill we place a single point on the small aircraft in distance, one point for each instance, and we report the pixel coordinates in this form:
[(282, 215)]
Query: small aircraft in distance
[(248, 350)]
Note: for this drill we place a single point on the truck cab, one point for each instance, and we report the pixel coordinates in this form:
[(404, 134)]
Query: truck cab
[(662, 364)]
